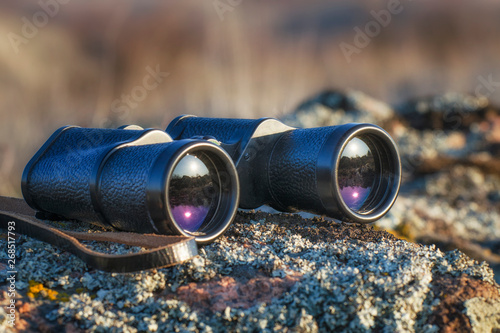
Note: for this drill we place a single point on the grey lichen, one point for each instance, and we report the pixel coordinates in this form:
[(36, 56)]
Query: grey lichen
[(348, 285), (484, 314)]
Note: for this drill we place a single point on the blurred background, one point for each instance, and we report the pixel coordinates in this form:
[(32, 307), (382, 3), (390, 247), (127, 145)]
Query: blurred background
[(85, 62)]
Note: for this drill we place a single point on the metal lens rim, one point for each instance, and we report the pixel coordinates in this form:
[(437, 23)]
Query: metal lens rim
[(387, 159), (223, 211)]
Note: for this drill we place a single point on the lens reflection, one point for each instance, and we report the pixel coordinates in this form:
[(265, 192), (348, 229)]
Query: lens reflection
[(191, 192), (356, 173)]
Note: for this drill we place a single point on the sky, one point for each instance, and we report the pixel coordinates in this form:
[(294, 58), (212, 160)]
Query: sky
[(355, 147)]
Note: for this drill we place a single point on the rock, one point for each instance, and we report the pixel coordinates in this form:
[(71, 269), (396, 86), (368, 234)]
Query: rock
[(483, 313), (453, 208), (275, 272), (455, 295), (447, 130), (333, 108), (451, 111)]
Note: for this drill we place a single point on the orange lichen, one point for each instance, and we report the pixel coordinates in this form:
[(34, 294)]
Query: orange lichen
[(37, 289)]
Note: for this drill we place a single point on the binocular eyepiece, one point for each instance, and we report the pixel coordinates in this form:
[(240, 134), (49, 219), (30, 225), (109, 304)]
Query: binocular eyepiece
[(192, 180)]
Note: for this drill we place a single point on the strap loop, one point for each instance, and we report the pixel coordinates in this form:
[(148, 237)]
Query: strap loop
[(164, 250)]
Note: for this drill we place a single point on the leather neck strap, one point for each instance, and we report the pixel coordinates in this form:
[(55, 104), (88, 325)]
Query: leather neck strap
[(163, 250)]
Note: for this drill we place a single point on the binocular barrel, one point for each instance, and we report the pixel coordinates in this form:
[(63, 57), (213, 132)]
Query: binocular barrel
[(350, 172), (134, 180), (183, 183)]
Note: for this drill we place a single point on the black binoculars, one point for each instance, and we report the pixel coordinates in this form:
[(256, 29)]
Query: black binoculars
[(134, 180), (191, 179)]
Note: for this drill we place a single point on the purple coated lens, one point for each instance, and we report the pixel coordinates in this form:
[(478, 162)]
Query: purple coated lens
[(356, 174), (190, 218), (191, 192)]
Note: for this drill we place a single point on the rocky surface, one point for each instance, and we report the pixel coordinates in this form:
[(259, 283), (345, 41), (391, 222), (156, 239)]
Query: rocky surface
[(269, 272), (428, 265)]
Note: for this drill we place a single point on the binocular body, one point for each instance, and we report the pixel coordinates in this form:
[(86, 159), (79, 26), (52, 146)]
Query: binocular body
[(134, 180), (351, 172), (186, 181)]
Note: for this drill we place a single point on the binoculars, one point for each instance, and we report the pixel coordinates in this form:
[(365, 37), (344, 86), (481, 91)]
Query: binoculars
[(190, 179)]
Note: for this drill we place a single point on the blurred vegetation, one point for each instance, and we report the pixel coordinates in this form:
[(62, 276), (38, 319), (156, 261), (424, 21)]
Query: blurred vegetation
[(262, 59), (357, 171), (191, 191)]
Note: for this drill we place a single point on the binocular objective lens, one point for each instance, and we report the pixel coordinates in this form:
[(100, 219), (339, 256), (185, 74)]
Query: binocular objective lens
[(192, 191), (356, 174)]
